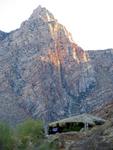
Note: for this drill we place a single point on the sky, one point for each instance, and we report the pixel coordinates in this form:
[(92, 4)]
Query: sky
[(89, 21)]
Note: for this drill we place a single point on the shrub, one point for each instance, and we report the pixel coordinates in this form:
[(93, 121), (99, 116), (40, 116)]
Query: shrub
[(6, 137), (29, 134)]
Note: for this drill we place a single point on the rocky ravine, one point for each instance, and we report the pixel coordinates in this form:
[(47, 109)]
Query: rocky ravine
[(44, 74)]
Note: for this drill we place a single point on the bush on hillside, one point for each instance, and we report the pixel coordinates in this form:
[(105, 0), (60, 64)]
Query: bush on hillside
[(29, 134), (6, 137)]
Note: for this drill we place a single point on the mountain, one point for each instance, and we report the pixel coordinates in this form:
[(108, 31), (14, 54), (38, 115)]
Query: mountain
[(45, 74)]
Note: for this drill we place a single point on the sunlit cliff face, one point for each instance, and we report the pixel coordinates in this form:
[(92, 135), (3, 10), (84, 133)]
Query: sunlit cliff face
[(64, 45), (62, 42), (79, 54)]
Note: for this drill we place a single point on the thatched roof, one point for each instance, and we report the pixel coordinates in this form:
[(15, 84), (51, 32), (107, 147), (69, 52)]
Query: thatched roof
[(84, 118)]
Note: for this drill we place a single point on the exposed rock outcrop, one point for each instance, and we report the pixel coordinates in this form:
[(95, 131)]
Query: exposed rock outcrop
[(3, 35), (44, 74)]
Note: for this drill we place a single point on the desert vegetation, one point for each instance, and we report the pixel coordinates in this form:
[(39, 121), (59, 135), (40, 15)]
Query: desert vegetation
[(28, 135)]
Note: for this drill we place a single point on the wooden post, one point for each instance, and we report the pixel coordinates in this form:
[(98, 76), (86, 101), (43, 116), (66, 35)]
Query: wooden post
[(86, 126)]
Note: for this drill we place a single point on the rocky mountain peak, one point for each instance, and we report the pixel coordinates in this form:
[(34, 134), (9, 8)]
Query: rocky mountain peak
[(42, 13)]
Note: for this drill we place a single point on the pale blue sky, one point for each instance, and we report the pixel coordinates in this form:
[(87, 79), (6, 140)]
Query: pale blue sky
[(89, 21)]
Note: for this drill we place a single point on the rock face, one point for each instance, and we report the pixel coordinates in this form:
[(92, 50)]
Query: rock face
[(44, 74), (2, 35)]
